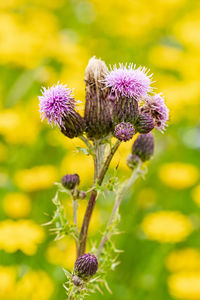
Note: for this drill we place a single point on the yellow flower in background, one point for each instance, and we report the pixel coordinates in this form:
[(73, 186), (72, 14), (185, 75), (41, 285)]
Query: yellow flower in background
[(32, 285), (146, 198), (35, 285), (17, 205), (166, 226), (96, 220), (19, 3), (187, 259), (187, 29), (180, 95), (62, 252), (178, 175), (16, 127), (166, 57), (24, 235), (7, 282), (36, 178), (196, 194), (77, 162), (185, 285)]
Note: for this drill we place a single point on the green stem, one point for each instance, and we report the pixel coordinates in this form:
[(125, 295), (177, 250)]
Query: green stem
[(92, 201), (90, 147), (136, 173), (107, 162), (75, 210)]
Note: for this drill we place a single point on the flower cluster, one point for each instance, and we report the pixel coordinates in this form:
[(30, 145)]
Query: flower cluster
[(121, 95), (119, 103)]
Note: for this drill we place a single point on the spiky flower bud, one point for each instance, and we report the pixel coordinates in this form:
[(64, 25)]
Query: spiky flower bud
[(86, 266), (124, 110), (77, 280), (144, 123), (144, 146), (124, 131), (57, 105), (70, 181), (97, 107), (132, 161)]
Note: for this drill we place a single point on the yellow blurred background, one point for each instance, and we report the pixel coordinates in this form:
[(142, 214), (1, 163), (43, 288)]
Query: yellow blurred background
[(43, 42)]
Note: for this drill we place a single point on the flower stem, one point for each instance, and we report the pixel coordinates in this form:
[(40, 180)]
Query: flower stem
[(87, 143), (107, 162), (92, 201), (75, 210), (136, 173)]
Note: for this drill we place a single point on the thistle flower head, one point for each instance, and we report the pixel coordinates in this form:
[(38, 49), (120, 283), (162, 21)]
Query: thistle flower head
[(124, 131), (144, 123), (127, 81), (144, 146), (86, 266), (70, 181), (56, 102), (156, 107), (97, 115)]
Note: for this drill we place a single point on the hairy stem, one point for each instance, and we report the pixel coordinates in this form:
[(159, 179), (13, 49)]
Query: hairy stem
[(75, 210), (107, 162), (90, 147), (99, 156), (136, 173), (92, 201)]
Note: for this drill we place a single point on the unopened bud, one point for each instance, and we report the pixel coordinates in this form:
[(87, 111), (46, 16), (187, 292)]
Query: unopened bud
[(144, 146), (132, 161), (70, 181), (124, 131), (97, 107), (86, 266), (144, 123), (82, 195), (77, 280)]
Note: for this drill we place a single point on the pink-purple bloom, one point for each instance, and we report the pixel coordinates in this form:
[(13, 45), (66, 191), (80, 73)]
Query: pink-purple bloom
[(156, 107), (127, 81), (56, 103)]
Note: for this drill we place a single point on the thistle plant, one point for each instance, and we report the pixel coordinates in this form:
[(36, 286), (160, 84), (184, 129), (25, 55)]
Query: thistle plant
[(120, 104)]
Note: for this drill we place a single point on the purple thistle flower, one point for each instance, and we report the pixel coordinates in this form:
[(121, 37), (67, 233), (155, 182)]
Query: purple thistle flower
[(86, 266), (56, 102), (124, 131), (156, 107), (127, 81)]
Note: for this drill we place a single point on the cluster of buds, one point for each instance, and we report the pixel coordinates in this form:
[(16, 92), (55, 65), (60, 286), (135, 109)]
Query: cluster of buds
[(116, 100)]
